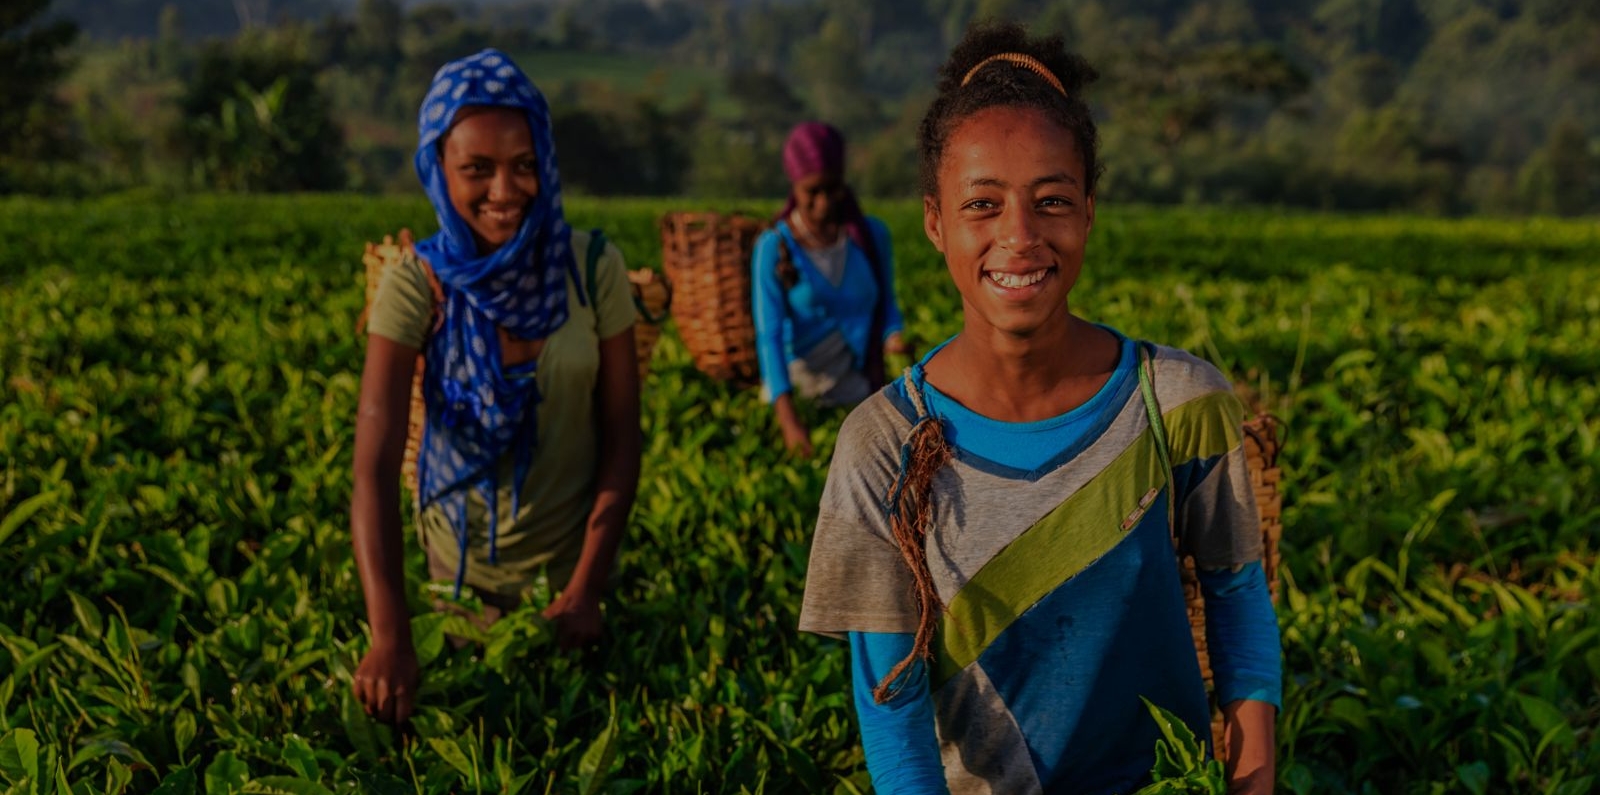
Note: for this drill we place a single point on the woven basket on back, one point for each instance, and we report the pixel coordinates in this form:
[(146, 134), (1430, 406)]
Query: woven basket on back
[(1261, 447), (707, 257), (652, 296)]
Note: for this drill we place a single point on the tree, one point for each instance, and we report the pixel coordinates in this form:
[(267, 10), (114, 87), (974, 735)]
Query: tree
[(831, 70), (33, 122), (1559, 178), (379, 25), (254, 120)]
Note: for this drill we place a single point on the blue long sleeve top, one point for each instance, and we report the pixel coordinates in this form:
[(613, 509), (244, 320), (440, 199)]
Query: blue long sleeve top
[(899, 737), (791, 322)]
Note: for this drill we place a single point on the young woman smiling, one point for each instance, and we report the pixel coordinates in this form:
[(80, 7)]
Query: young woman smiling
[(996, 535), (530, 455)]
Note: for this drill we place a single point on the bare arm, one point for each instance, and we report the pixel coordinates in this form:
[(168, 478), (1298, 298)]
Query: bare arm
[(386, 680), (1251, 735), (577, 611), (796, 436)]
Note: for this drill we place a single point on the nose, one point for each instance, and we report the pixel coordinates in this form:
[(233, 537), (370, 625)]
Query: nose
[(502, 187), (822, 204), (1019, 228)]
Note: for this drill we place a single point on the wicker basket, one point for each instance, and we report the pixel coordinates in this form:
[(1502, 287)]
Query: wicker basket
[(1261, 447), (707, 257), (652, 296)]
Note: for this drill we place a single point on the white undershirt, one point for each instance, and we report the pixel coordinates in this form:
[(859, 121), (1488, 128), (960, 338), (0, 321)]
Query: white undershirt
[(829, 260)]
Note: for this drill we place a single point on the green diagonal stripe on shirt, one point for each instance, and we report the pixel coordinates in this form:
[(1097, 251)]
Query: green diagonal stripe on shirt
[(1079, 531)]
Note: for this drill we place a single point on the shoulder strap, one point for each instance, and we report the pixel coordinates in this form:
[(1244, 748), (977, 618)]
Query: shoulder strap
[(1147, 388), (597, 247)]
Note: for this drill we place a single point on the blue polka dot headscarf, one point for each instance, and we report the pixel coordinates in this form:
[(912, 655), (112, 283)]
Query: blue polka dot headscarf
[(477, 409)]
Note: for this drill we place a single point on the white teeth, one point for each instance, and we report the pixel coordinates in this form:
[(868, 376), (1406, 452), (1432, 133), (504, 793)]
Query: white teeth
[(1017, 280)]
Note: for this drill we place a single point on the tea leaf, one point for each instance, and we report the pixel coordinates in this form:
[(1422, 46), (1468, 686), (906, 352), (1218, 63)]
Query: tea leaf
[(284, 785), (177, 782), (226, 775), (25, 511), (595, 765)]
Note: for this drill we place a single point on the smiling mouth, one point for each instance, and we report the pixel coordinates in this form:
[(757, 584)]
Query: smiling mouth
[(1017, 281), (508, 216)]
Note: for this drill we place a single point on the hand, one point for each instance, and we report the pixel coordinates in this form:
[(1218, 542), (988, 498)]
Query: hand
[(577, 618), (896, 345), (797, 439), (386, 682)]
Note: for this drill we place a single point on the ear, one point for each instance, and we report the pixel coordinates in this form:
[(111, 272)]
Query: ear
[(933, 223), (1090, 208)]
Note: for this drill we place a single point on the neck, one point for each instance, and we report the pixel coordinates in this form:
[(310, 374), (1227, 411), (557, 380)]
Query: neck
[(824, 234), (1025, 378)]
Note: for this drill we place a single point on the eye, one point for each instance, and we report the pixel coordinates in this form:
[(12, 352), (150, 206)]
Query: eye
[(529, 166), (475, 168), (1055, 201), (979, 204)]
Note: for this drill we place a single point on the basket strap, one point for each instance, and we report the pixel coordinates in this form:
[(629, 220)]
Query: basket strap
[(645, 314), (597, 247), (1147, 388)]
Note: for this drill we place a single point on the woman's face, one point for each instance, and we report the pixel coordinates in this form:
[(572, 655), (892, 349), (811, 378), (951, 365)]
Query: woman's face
[(491, 172), (1012, 218), (817, 197)]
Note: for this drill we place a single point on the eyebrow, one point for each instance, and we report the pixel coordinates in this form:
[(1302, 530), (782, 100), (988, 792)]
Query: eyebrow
[(991, 182), (479, 156)]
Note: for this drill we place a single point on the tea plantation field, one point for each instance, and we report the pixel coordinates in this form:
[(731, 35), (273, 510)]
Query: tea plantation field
[(181, 613)]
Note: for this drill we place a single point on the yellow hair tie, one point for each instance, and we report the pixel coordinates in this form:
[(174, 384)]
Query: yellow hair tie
[(1027, 62)]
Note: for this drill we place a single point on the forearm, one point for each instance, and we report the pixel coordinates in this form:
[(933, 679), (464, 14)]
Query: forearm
[(380, 559), (617, 483), (381, 419), (898, 737), (788, 415), (1250, 731), (1246, 655)]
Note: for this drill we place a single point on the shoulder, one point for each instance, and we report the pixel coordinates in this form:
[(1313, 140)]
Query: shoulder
[(410, 275), (1181, 377), (772, 235), (871, 436), (582, 238)]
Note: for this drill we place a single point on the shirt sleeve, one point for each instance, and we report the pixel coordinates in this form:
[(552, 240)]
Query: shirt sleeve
[(857, 580), (767, 303), (402, 308), (1242, 635), (613, 299), (898, 736), (1217, 518), (893, 321)]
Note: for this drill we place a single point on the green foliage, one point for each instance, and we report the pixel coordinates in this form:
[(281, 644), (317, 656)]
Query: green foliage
[(33, 58), (1443, 107), (254, 120), (1182, 765), (179, 386)]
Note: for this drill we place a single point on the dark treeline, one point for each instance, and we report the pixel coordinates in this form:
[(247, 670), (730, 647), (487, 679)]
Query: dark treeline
[(1444, 106)]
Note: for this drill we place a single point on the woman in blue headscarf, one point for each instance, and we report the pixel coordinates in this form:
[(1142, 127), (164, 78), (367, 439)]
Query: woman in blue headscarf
[(530, 451)]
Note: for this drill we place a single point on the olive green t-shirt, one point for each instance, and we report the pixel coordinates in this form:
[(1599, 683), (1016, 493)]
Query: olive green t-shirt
[(559, 491)]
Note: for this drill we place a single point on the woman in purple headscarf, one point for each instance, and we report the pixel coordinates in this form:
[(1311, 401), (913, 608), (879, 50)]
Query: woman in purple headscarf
[(823, 284), (530, 454)]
